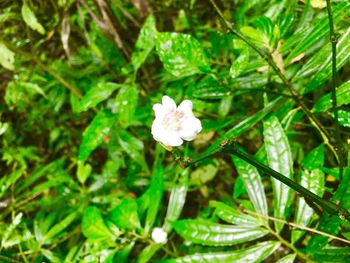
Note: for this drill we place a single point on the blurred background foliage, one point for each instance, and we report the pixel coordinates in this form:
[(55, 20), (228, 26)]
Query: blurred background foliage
[(82, 179)]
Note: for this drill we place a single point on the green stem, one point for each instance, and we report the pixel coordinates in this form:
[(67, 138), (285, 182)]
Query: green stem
[(230, 147), (333, 40), (296, 96)]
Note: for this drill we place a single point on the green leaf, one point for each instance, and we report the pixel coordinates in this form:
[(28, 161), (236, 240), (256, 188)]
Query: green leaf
[(314, 159), (256, 253), (145, 42), (208, 88), (325, 69), (93, 226), (133, 147), (148, 252), (313, 181), (343, 118), (253, 184), (30, 19), (83, 171), (279, 158), (176, 201), (256, 35), (123, 254), (97, 94), (325, 103), (332, 254), (309, 37), (126, 103), (287, 259), (245, 125), (7, 57), (58, 228), (231, 215), (181, 54), (204, 173), (94, 134), (125, 215), (211, 234), (238, 66), (156, 193)]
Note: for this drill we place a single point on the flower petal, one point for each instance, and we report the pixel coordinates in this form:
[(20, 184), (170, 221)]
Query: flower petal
[(185, 107), (166, 137), (190, 127), (168, 103)]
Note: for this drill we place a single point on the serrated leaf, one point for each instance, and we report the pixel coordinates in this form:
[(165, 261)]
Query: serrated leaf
[(30, 19), (244, 125), (238, 66), (256, 253), (94, 134), (313, 181), (97, 94), (126, 103), (325, 103), (125, 215), (253, 184), (176, 201), (93, 226), (182, 55), (7, 57), (145, 42), (211, 234), (279, 158), (231, 215)]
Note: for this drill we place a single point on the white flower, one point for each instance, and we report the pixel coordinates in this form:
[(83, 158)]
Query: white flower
[(159, 235), (174, 124)]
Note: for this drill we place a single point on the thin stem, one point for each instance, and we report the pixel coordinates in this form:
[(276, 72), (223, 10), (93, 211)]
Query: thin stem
[(296, 96), (305, 228), (333, 40), (230, 148)]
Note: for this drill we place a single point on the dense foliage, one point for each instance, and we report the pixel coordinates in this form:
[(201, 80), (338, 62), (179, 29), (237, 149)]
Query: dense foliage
[(83, 180)]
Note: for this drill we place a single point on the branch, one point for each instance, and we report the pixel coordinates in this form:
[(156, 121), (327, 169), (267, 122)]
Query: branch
[(231, 148), (296, 96), (333, 40)]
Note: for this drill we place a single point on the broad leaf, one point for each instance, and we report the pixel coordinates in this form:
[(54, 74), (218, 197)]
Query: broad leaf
[(93, 226), (211, 234), (253, 184), (30, 19), (126, 103), (325, 103), (314, 159), (313, 181), (238, 66), (97, 94), (145, 42), (125, 215), (7, 57), (256, 253), (181, 54), (344, 118), (94, 134), (279, 158)]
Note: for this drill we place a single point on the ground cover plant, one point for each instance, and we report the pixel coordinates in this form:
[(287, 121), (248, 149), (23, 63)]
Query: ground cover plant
[(174, 131)]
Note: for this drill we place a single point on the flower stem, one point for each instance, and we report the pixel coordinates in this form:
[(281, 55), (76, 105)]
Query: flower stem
[(333, 39), (296, 96), (231, 148)]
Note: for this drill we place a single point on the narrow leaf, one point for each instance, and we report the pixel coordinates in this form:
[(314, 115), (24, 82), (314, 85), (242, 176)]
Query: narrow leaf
[(58, 228), (256, 253), (279, 158), (211, 234), (287, 259), (238, 66)]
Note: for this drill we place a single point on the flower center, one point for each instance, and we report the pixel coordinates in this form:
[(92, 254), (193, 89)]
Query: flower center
[(172, 121)]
